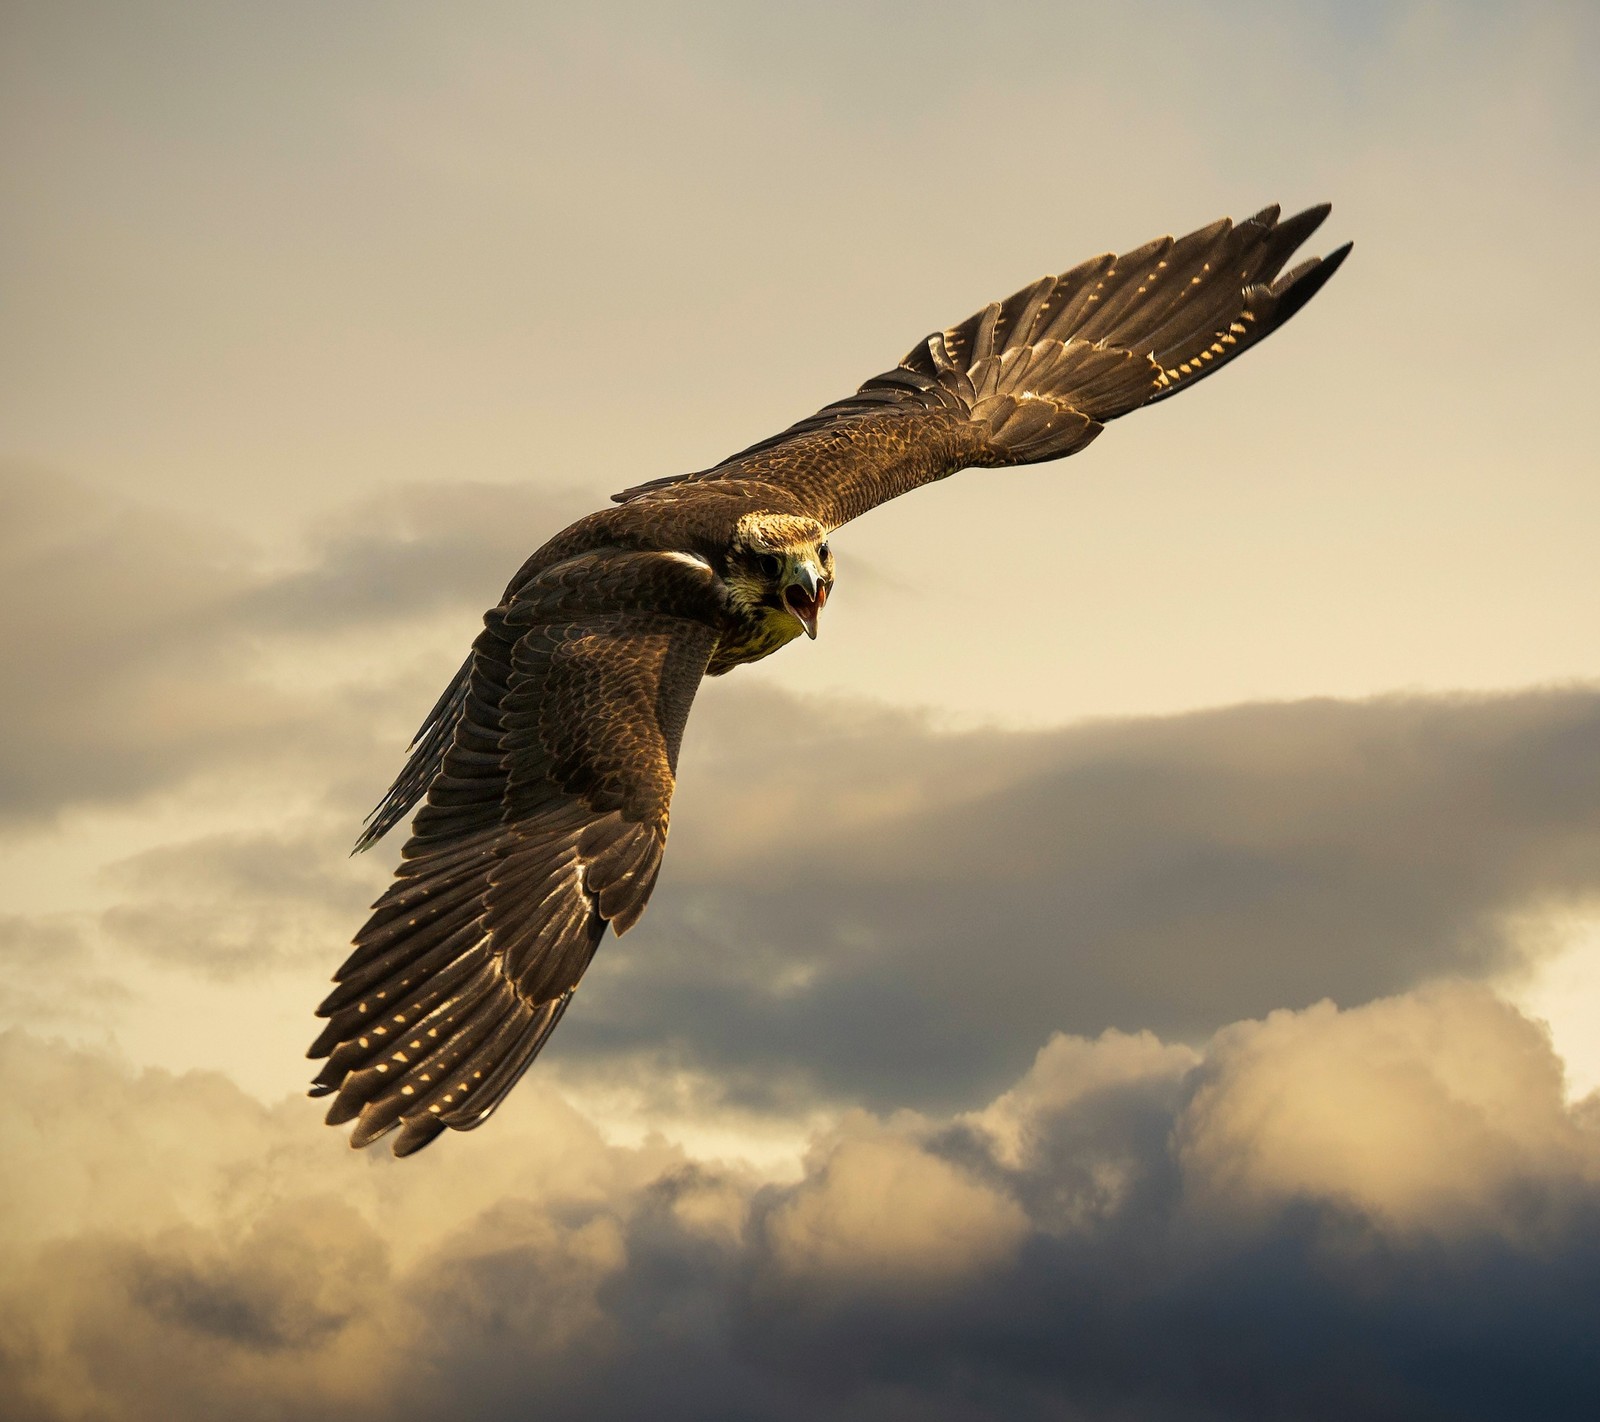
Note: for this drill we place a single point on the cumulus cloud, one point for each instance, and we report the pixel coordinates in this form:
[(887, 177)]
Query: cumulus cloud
[(1440, 1111), (876, 1211), (1069, 1074), (1318, 1214)]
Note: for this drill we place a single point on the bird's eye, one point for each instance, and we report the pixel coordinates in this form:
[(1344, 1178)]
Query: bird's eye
[(822, 551), (770, 564)]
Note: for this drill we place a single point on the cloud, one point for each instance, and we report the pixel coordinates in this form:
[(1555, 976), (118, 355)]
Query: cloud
[(878, 1212), (856, 899), (224, 905), (860, 908), (256, 267), (410, 551), (146, 651), (52, 973), (856, 907), (1438, 1111), (1319, 1214), (111, 628)]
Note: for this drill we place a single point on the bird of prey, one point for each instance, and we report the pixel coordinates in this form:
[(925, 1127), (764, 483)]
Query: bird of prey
[(546, 768)]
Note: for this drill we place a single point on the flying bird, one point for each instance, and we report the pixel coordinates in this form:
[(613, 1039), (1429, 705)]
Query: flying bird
[(546, 768)]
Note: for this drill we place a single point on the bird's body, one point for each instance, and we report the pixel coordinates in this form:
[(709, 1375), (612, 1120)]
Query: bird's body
[(548, 764)]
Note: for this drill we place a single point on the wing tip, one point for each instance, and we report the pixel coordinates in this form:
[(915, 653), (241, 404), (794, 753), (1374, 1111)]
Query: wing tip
[(1304, 283), (414, 1134), (1337, 256)]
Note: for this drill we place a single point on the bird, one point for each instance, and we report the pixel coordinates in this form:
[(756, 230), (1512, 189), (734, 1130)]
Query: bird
[(545, 771)]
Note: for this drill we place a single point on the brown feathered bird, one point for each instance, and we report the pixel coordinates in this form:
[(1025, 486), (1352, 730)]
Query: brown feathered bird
[(548, 763)]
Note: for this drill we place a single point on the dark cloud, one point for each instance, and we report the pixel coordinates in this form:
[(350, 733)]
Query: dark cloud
[(833, 868), (1131, 1231), (119, 674), (138, 646), (857, 907), (888, 910)]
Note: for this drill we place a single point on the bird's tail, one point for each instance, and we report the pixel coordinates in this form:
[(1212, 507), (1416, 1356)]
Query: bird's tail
[(1045, 369)]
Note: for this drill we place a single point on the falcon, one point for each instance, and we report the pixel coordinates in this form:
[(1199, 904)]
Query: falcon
[(546, 768)]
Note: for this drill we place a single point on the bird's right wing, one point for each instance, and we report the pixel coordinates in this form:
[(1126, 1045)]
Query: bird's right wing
[(1037, 376), (545, 821)]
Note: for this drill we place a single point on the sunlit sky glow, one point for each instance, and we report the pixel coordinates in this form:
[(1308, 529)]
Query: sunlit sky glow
[(1167, 891)]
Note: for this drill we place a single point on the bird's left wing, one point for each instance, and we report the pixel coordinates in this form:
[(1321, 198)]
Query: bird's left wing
[(1038, 375), (545, 821)]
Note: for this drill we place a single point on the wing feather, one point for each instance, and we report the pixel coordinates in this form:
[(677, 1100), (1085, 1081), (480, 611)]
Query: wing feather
[(545, 821), (1038, 375)]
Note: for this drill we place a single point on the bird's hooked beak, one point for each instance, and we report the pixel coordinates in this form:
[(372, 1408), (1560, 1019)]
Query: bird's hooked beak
[(806, 595)]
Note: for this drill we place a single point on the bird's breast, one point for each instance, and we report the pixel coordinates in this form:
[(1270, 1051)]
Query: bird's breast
[(751, 637)]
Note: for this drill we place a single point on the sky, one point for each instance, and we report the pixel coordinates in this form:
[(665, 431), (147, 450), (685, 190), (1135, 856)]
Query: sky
[(1141, 962)]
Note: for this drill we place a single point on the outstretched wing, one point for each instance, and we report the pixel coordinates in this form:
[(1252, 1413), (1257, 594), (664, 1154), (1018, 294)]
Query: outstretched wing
[(545, 821), (1037, 376)]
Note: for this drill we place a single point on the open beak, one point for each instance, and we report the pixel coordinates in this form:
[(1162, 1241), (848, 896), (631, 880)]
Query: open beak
[(805, 597)]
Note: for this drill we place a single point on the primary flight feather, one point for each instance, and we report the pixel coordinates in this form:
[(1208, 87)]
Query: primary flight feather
[(547, 766)]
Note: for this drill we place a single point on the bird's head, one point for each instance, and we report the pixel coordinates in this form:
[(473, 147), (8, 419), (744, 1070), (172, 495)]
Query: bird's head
[(780, 570)]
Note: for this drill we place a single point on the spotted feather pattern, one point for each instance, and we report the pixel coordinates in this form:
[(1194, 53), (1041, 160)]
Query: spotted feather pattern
[(1038, 375), (545, 821)]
